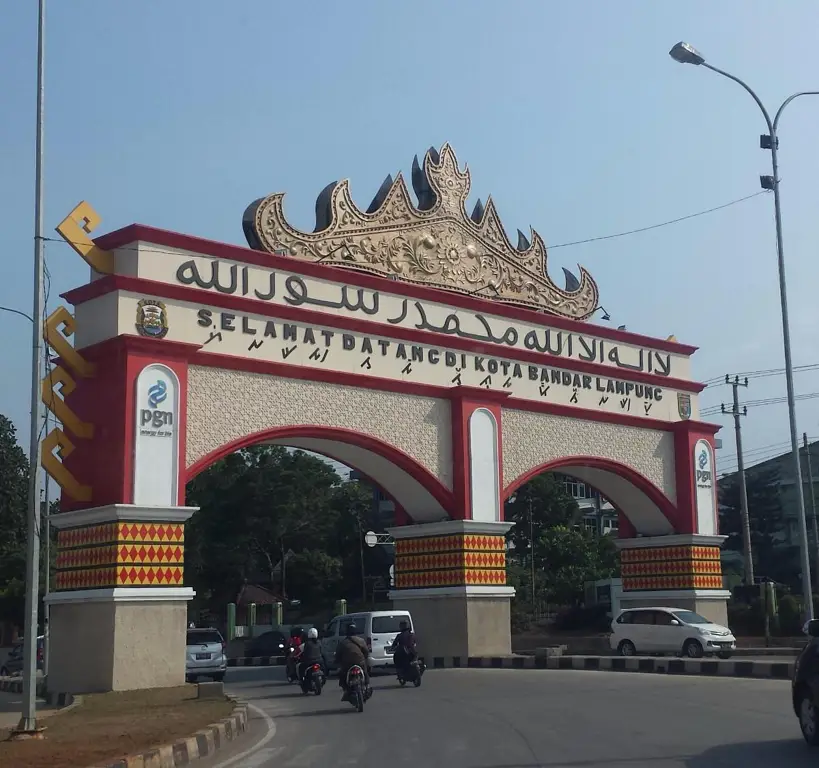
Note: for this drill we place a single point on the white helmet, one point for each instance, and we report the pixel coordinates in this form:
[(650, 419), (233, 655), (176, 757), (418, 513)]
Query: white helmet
[(312, 633)]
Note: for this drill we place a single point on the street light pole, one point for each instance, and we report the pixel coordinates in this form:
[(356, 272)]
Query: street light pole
[(28, 721), (686, 54)]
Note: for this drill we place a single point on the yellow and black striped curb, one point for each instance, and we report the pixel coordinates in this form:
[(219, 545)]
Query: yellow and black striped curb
[(778, 670), (184, 751)]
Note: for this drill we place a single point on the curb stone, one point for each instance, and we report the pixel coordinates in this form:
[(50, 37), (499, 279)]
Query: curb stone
[(258, 661), (776, 670), (782, 670), (184, 751)]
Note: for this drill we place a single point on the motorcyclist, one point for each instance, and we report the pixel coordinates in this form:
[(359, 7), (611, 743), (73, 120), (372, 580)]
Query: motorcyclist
[(352, 651), (296, 643), (403, 647), (312, 653)]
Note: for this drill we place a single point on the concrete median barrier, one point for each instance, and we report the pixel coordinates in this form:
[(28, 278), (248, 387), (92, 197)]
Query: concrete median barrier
[(778, 670)]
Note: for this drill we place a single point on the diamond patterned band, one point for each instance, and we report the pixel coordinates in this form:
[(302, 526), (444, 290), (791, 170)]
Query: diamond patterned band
[(452, 560), (120, 554), (686, 567), (125, 576)]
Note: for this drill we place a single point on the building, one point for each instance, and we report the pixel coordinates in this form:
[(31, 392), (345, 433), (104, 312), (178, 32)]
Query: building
[(787, 492), (598, 514)]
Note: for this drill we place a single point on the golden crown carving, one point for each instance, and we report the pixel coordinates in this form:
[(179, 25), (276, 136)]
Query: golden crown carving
[(433, 243)]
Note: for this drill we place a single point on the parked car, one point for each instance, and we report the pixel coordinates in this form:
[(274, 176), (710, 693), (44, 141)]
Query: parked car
[(378, 628), (805, 686), (272, 643), (205, 655), (13, 665), (669, 630)]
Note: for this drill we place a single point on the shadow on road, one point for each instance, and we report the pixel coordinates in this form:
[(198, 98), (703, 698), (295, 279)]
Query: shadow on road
[(342, 709), (791, 752)]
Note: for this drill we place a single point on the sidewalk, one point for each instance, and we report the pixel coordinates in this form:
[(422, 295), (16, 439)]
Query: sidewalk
[(11, 706)]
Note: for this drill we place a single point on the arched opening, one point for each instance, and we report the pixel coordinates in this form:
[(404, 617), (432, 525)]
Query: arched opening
[(647, 510), (412, 487), (283, 517)]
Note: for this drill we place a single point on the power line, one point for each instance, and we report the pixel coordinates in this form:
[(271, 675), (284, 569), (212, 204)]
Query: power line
[(657, 226), (714, 410), (558, 245), (763, 374)]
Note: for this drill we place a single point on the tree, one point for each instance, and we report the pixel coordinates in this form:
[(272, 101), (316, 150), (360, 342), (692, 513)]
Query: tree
[(268, 515), (564, 557), (544, 498), (568, 558), (773, 557), (13, 521), (315, 577)]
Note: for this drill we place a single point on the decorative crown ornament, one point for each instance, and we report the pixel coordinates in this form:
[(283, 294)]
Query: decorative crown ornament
[(433, 243)]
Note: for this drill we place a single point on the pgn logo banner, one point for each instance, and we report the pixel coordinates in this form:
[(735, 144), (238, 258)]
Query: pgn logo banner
[(156, 438)]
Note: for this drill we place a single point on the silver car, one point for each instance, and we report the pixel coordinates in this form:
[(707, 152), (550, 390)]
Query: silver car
[(205, 655)]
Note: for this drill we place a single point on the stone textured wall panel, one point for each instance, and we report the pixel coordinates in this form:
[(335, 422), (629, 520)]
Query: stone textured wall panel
[(226, 405), (531, 439)]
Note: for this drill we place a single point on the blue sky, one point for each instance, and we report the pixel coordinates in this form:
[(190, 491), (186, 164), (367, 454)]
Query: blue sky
[(572, 115)]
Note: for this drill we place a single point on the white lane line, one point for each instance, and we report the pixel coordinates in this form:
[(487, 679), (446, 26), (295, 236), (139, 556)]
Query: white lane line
[(271, 732)]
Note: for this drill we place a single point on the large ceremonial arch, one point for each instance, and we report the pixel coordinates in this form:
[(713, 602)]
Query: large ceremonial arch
[(410, 341)]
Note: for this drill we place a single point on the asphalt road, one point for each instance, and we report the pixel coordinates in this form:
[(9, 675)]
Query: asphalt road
[(516, 719)]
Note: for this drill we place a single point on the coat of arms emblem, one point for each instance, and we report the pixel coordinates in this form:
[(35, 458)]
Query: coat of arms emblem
[(684, 405), (151, 319)]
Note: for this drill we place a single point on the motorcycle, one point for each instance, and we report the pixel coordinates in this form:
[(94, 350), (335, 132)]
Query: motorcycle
[(313, 680), (357, 691), (412, 673), (291, 666)]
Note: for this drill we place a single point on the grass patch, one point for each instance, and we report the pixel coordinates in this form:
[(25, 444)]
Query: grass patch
[(109, 726)]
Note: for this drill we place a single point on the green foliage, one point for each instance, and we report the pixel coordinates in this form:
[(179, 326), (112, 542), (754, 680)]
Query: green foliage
[(283, 519), (13, 504), (565, 557), (569, 557), (13, 522), (542, 503), (315, 577), (790, 615)]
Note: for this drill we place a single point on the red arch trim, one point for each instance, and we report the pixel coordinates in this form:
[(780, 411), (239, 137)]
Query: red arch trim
[(403, 461), (662, 501)]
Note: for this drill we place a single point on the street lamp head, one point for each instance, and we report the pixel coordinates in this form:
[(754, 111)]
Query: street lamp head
[(686, 54)]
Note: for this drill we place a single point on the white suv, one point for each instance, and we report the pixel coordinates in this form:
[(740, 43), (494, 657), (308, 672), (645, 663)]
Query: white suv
[(669, 630)]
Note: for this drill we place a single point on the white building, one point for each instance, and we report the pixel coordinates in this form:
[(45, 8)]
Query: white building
[(598, 514)]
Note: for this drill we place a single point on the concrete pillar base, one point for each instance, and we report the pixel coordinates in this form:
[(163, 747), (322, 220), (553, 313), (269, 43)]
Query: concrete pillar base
[(451, 576), (678, 571), (117, 639), (465, 621), (118, 614)]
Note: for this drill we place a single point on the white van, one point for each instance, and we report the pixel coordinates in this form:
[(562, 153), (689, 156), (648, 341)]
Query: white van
[(378, 628), (669, 630)]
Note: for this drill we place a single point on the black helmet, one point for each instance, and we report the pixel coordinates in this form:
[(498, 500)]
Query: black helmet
[(403, 626), (352, 629)]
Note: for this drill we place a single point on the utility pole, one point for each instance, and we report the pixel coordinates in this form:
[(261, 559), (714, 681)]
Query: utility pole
[(812, 507), (28, 719), (743, 491), (532, 550)]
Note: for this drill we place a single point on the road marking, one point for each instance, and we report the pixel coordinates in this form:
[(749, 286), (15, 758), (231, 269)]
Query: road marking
[(271, 732)]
